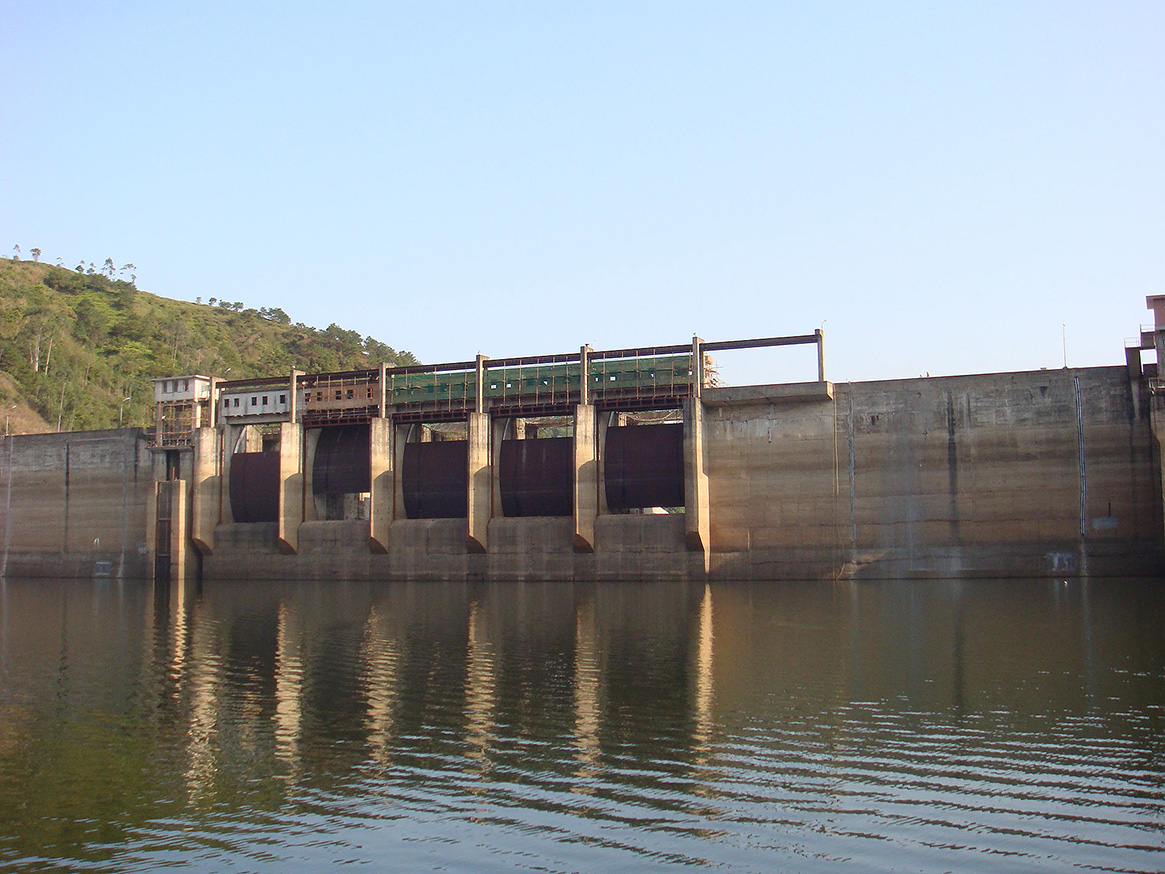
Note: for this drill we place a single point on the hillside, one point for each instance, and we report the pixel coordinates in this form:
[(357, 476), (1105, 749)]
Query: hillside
[(80, 351)]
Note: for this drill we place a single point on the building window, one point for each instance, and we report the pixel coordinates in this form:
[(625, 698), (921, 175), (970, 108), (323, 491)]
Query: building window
[(254, 402), (283, 399), (226, 405), (338, 393), (264, 400), (351, 394)]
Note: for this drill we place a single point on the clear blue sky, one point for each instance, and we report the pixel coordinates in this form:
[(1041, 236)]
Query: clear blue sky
[(944, 185)]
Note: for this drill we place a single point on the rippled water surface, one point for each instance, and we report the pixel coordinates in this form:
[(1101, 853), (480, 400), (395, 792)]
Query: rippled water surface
[(898, 726)]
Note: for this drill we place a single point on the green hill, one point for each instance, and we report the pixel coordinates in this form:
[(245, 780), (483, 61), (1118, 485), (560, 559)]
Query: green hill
[(81, 350)]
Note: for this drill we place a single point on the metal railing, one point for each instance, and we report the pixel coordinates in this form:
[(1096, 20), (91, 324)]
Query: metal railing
[(639, 378)]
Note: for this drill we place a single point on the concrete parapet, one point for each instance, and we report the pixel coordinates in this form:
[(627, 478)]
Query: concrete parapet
[(783, 393)]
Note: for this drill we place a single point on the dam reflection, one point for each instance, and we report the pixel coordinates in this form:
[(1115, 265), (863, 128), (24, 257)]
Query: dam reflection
[(603, 703), (481, 672)]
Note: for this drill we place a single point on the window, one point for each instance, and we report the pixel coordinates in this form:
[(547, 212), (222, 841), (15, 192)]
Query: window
[(226, 405), (283, 399), (264, 400), (351, 394), (236, 402), (319, 395), (338, 394), (254, 402)]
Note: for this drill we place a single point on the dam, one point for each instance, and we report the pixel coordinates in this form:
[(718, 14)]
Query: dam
[(624, 464)]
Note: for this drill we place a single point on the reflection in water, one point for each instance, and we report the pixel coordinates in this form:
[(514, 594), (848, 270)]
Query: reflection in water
[(204, 681), (289, 689), (586, 689), (703, 701), (878, 726), (479, 689)]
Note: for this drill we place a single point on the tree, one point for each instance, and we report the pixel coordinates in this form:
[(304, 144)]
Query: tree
[(213, 301), (60, 262), (35, 253), (80, 268), (93, 321), (275, 314), (91, 269), (108, 269), (16, 252)]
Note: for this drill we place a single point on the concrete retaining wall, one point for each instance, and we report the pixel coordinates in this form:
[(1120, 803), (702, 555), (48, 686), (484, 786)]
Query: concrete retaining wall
[(1042, 473), (1031, 473), (75, 504)]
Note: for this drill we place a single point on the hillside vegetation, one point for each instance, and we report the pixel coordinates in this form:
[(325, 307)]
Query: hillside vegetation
[(81, 350)]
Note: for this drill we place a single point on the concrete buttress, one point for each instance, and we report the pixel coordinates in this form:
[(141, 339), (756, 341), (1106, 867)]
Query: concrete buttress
[(204, 487), (291, 485), (480, 482), (381, 457), (586, 478), (697, 530)]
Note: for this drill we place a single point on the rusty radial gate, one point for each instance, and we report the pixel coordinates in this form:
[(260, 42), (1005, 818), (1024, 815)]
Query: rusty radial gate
[(435, 480), (254, 490), (644, 466), (537, 477)]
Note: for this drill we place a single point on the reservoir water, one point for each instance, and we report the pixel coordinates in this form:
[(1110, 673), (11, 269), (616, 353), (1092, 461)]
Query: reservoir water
[(914, 725)]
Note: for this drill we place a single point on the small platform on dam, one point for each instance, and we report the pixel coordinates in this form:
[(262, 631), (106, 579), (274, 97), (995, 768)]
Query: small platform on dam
[(779, 393)]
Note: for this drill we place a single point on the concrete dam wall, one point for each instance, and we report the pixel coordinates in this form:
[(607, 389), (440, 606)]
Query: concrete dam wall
[(1042, 473), (75, 504)]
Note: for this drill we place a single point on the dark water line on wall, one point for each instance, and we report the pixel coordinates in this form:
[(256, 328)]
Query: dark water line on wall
[(65, 526), (7, 508), (853, 513), (1080, 451), (952, 469)]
